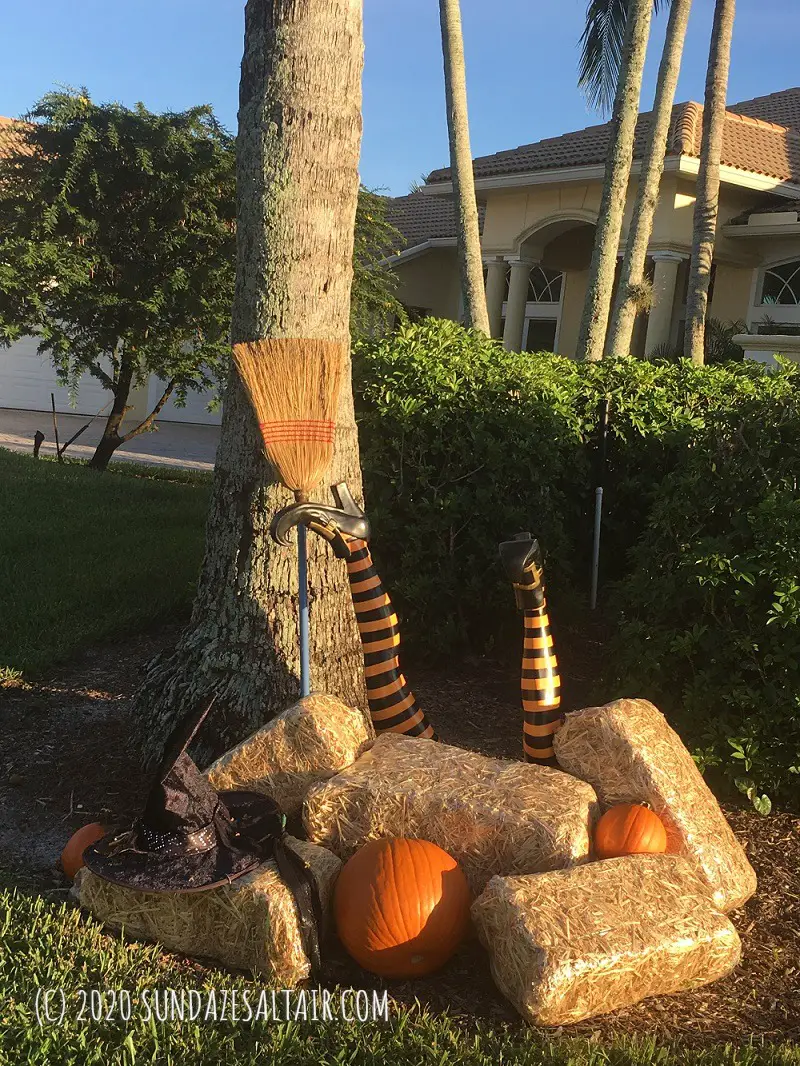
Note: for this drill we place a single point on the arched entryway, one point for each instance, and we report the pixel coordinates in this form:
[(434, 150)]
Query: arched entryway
[(543, 283)]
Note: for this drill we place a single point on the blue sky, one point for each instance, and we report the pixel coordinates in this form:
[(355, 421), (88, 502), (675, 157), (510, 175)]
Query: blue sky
[(521, 56)]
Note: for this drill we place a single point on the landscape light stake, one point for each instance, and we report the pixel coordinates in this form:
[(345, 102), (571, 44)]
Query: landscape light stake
[(293, 385), (600, 469), (55, 425)]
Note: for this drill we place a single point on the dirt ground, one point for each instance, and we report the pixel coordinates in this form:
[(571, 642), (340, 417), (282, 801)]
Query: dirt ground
[(68, 755)]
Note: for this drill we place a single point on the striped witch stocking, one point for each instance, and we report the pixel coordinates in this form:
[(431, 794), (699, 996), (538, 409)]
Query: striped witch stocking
[(391, 702), (540, 683)]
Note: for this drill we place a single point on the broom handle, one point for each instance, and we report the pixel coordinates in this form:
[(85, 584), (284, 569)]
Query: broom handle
[(302, 578)]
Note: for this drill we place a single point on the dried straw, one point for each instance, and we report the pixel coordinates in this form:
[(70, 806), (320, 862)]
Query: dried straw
[(629, 753), (567, 945), (310, 741), (491, 815), (293, 384), (250, 924)]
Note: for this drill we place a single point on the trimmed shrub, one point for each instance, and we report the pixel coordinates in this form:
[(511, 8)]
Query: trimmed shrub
[(709, 613), (464, 444)]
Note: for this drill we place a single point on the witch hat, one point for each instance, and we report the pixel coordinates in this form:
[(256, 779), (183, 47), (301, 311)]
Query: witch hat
[(190, 838)]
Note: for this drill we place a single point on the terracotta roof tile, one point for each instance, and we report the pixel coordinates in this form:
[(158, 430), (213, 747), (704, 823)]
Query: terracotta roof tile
[(782, 107), (756, 139), (10, 140)]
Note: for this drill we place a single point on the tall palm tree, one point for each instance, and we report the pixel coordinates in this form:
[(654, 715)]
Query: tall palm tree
[(468, 231), (297, 155), (633, 265), (706, 208), (591, 340)]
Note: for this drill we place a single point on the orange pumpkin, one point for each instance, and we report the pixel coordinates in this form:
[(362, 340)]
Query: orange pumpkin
[(401, 907), (629, 829), (72, 855)]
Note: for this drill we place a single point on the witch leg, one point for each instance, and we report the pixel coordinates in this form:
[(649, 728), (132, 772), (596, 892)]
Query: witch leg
[(540, 680), (392, 704)]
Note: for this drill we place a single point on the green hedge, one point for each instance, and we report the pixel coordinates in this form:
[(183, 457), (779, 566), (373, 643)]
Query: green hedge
[(464, 444)]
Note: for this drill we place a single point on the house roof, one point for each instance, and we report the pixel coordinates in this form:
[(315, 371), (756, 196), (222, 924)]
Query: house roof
[(761, 136), (421, 218), (10, 139)]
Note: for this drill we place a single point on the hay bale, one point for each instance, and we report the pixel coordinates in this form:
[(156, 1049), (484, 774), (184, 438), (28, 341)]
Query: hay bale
[(311, 741), (567, 945), (628, 752), (493, 816), (250, 924)]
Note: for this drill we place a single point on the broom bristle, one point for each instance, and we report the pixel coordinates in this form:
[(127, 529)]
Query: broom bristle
[(293, 384)]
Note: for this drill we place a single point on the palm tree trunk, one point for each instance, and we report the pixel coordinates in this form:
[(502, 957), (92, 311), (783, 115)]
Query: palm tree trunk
[(596, 310), (706, 208), (468, 231), (297, 186), (633, 265)]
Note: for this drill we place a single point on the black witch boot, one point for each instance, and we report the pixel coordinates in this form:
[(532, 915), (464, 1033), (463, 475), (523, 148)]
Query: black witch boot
[(392, 704), (541, 683)]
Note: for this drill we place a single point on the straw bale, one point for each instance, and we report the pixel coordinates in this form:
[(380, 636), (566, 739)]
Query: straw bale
[(493, 816), (250, 924), (629, 753), (571, 944), (310, 741)]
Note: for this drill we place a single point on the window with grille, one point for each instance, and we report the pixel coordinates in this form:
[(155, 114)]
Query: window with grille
[(544, 285), (781, 285)]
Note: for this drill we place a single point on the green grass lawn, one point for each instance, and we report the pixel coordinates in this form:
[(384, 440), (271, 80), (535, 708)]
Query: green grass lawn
[(86, 557), (45, 945)]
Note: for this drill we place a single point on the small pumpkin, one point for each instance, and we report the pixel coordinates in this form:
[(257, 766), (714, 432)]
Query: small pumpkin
[(629, 829), (401, 907), (72, 855)]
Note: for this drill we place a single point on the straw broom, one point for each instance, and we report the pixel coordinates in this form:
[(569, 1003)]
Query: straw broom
[(293, 384)]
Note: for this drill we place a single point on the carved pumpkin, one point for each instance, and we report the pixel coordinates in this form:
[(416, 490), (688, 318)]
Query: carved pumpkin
[(629, 829), (72, 855), (401, 907)]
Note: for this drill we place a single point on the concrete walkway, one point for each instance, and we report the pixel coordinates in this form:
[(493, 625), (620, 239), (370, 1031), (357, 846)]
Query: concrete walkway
[(182, 444)]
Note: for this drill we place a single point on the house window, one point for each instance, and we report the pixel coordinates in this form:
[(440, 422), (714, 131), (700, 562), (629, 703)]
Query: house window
[(540, 334), (544, 285), (781, 285)]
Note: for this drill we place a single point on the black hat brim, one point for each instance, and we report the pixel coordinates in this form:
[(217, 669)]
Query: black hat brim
[(256, 815)]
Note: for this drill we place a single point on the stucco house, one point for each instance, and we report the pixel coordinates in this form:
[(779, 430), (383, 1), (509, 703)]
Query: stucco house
[(539, 208)]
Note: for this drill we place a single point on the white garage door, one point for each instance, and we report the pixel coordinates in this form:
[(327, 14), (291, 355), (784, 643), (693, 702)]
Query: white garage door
[(27, 379), (196, 409)]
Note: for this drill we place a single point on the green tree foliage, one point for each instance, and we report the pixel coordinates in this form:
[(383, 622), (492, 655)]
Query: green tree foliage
[(601, 43), (464, 444), (374, 307), (117, 247)]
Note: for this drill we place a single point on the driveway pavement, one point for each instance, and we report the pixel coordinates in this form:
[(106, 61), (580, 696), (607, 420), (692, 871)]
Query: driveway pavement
[(183, 444)]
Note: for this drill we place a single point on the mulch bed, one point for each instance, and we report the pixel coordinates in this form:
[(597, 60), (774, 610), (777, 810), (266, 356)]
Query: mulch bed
[(68, 755)]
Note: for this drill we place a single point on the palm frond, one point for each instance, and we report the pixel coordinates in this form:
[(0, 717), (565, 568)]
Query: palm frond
[(602, 44)]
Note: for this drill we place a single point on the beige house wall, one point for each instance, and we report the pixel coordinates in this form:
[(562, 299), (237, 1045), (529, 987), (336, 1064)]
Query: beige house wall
[(572, 308), (431, 281), (535, 223)]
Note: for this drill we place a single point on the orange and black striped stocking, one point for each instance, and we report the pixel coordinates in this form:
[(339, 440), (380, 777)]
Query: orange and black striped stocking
[(541, 686), (391, 702)]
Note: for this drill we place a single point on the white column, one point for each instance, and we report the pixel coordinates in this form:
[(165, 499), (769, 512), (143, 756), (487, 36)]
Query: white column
[(665, 280), (515, 306), (495, 292)]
